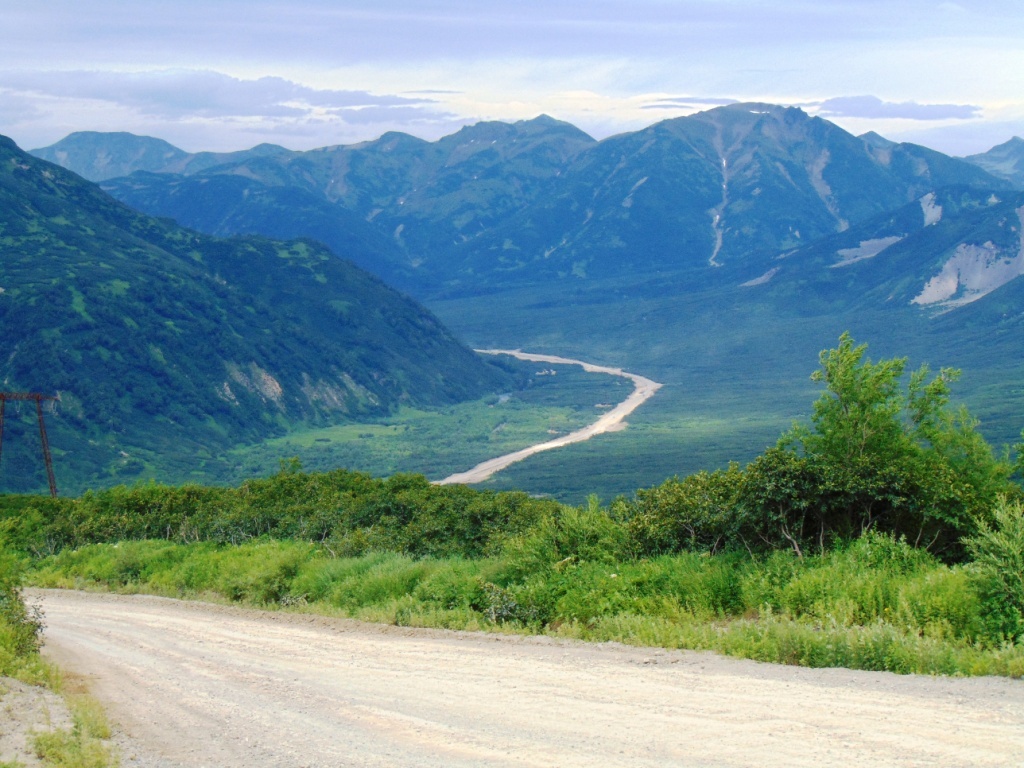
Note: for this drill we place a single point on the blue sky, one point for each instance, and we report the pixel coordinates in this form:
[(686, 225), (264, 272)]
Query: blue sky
[(229, 74)]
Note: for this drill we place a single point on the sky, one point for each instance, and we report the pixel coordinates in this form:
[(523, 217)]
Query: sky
[(229, 74)]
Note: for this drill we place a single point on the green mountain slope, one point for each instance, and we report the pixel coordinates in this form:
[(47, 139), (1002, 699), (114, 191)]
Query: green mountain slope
[(397, 206), (167, 346), (732, 185), (225, 204), (951, 248)]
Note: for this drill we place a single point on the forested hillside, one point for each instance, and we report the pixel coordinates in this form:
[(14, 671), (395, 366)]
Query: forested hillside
[(166, 346)]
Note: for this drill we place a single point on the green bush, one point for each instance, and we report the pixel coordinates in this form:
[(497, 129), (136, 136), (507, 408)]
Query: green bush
[(998, 554), (698, 513), (943, 604), (20, 625), (563, 536), (261, 572)]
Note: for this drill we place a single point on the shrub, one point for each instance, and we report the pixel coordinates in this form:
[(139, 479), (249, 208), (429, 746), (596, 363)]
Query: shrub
[(20, 625), (998, 554), (564, 536), (697, 513)]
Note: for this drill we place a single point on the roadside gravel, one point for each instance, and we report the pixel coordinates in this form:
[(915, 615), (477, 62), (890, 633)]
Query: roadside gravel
[(26, 710)]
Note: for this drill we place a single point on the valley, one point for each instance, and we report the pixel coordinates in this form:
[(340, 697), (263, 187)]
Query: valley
[(611, 421), (716, 253), (558, 400), (462, 384)]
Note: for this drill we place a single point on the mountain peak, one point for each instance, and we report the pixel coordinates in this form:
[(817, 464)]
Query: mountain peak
[(100, 156), (1005, 161), (757, 108), (876, 140)]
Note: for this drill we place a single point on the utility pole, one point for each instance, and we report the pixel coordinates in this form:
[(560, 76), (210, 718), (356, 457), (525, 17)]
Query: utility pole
[(4, 397)]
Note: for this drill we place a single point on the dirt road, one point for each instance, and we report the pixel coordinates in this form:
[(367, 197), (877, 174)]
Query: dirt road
[(643, 389), (191, 684)]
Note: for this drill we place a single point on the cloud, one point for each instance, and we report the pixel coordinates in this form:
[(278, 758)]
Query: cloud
[(685, 102), (376, 115), (873, 107), (205, 109), (181, 94), (17, 108)]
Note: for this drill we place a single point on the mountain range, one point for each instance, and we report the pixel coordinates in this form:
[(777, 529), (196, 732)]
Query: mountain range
[(717, 253), (496, 204), (166, 345)]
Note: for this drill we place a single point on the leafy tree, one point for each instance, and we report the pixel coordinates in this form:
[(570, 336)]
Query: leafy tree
[(878, 455)]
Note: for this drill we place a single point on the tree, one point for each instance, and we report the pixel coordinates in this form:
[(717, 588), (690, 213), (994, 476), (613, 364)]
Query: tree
[(877, 455)]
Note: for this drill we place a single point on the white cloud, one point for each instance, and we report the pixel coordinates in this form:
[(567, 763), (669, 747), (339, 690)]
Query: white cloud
[(212, 108), (231, 71), (184, 93), (874, 107), (689, 102)]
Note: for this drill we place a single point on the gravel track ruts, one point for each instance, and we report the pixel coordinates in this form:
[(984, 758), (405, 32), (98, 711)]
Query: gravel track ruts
[(199, 684)]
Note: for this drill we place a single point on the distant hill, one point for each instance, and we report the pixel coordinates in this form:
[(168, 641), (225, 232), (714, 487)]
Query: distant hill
[(498, 204), (731, 185), (100, 156), (225, 204), (167, 346), (395, 206), (1005, 161)]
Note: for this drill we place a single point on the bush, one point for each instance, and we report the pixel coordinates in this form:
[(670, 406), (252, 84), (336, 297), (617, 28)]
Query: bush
[(998, 562), (20, 625), (568, 535), (698, 513)]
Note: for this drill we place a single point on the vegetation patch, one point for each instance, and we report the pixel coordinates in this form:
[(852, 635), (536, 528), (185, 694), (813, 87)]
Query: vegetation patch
[(83, 743), (884, 534), (460, 436)]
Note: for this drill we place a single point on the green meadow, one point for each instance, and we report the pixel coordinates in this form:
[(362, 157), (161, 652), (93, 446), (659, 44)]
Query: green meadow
[(559, 399)]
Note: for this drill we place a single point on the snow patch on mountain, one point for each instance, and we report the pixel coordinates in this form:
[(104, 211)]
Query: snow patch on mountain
[(932, 211), (972, 272), (867, 249), (762, 279), (628, 201), (817, 178)]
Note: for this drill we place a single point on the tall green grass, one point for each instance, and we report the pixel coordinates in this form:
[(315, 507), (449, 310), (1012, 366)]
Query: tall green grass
[(876, 604)]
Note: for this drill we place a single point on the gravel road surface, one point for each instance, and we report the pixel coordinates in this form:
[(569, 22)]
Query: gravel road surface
[(195, 684)]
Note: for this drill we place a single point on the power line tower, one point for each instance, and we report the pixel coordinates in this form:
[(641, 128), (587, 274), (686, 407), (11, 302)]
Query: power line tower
[(4, 397)]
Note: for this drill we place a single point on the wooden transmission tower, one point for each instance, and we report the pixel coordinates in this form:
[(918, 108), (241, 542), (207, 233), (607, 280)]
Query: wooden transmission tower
[(4, 397)]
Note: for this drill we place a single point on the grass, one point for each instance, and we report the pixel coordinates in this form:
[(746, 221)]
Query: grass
[(84, 744), (661, 440), (441, 442), (876, 605)]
